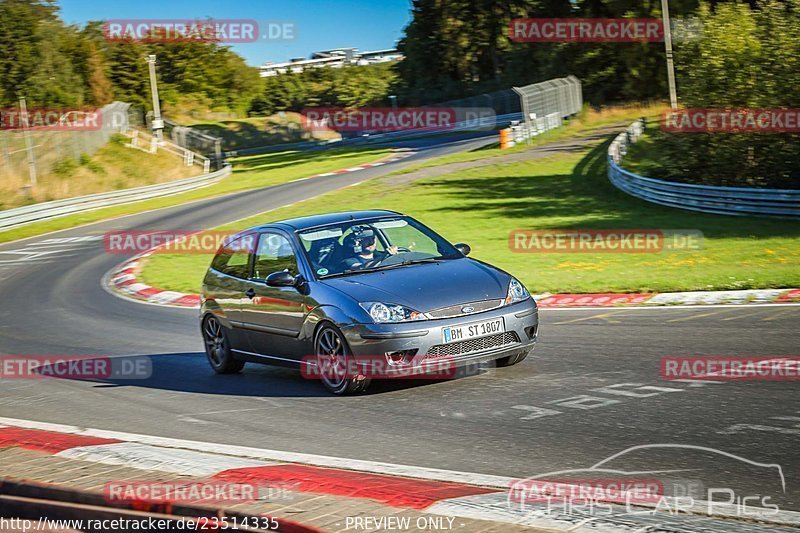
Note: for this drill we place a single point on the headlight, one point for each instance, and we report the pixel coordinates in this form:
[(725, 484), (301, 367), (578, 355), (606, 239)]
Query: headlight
[(382, 312), (516, 292)]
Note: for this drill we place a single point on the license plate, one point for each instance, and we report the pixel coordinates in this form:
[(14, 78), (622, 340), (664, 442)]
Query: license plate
[(471, 331)]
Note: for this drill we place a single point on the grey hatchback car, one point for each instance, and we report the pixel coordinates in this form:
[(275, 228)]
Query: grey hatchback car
[(355, 296)]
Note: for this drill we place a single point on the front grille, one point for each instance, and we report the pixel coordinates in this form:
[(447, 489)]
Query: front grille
[(473, 345), (456, 310)]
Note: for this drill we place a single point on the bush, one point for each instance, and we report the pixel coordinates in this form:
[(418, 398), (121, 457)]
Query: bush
[(86, 161), (746, 58), (65, 167)]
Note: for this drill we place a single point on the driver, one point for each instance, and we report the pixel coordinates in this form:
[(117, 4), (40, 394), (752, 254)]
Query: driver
[(364, 253)]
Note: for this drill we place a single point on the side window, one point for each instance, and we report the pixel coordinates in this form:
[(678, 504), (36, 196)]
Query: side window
[(274, 254), (234, 258)]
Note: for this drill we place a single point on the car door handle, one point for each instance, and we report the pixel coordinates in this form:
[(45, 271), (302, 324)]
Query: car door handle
[(250, 293)]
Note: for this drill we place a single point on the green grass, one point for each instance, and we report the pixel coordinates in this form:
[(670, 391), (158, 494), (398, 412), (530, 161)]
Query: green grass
[(252, 132), (249, 173), (482, 205), (644, 156), (587, 122)]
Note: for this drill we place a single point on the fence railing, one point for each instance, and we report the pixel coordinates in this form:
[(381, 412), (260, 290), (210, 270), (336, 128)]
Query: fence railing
[(521, 131), (738, 201), (20, 216), (49, 147), (148, 143)]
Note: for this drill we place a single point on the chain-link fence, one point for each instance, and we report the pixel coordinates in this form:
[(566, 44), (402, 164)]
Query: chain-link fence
[(191, 139), (504, 102), (538, 106), (545, 104), (562, 95), (26, 153)]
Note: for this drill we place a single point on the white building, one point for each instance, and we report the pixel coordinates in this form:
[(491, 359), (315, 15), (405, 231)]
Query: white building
[(335, 58)]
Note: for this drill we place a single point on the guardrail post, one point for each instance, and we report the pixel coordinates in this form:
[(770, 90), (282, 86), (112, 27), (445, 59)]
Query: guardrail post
[(206, 166), (153, 145)]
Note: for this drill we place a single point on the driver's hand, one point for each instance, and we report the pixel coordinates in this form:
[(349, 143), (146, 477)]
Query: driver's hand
[(392, 250)]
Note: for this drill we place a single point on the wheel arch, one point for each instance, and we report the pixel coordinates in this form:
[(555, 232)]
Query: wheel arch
[(320, 315)]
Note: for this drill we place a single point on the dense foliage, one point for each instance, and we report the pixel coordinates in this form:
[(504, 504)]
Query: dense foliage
[(54, 64), (353, 86), (457, 48), (747, 58)]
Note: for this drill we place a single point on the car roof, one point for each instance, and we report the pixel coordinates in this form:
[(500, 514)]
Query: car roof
[(302, 223)]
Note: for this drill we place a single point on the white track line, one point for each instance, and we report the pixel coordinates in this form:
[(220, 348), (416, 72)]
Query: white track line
[(418, 472), (181, 454)]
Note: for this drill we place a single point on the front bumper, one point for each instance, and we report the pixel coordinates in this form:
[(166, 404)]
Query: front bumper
[(425, 338)]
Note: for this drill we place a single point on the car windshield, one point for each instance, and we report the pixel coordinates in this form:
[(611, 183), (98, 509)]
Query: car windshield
[(373, 244)]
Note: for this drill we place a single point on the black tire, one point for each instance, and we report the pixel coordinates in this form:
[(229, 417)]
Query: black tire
[(512, 360), (330, 347), (218, 347)]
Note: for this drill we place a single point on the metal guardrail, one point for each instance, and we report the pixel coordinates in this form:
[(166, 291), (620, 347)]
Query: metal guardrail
[(562, 97), (736, 201), (485, 124), (29, 214), (498, 121)]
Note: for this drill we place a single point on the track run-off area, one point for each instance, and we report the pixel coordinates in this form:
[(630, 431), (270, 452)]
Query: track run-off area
[(591, 390)]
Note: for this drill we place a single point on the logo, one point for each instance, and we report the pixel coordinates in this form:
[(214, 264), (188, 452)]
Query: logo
[(230, 31), (467, 309), (614, 486), (777, 368), (604, 241), (585, 30), (52, 119), (738, 120)]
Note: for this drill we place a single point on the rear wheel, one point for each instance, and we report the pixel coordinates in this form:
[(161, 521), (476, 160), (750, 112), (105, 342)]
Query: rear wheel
[(512, 360), (334, 362), (218, 348)]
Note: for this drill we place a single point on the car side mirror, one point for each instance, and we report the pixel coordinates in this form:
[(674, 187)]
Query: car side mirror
[(281, 279), (463, 248)]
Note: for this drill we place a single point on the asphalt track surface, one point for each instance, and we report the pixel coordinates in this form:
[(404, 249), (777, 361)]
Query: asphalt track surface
[(592, 390)]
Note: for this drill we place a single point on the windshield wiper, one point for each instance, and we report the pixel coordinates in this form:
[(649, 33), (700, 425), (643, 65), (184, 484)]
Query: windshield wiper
[(404, 262), (347, 272)]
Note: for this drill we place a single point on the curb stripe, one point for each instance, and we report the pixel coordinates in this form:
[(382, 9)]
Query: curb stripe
[(373, 467), (394, 491), (46, 441), (397, 491), (418, 492), (585, 300)]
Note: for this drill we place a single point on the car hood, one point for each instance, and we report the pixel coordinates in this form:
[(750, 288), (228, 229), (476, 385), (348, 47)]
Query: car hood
[(426, 286)]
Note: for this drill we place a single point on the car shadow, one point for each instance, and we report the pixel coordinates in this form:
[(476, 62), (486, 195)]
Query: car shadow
[(189, 372)]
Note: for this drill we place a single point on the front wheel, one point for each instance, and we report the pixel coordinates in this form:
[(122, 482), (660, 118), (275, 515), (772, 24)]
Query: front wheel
[(218, 348), (334, 362), (512, 360)]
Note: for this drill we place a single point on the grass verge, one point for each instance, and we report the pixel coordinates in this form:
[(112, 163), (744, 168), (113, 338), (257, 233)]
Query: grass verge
[(114, 166), (483, 205), (249, 173), (253, 132), (587, 122)]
